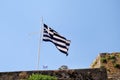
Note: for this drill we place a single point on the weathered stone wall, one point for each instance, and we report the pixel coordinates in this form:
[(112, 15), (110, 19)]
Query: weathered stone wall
[(108, 61), (96, 63), (74, 74)]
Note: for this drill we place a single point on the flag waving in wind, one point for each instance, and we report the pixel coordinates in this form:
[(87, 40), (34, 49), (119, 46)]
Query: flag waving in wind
[(61, 43)]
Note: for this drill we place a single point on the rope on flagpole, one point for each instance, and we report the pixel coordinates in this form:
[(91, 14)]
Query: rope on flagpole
[(40, 41)]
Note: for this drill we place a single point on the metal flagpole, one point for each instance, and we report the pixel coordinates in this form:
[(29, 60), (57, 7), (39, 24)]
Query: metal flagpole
[(40, 41)]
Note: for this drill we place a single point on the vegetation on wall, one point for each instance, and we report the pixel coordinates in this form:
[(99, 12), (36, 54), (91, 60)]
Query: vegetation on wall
[(103, 60), (41, 77), (112, 57), (117, 65)]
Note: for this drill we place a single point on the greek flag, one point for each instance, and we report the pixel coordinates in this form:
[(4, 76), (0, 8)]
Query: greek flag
[(61, 43)]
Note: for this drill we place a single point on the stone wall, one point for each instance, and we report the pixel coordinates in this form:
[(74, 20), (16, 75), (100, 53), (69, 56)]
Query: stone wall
[(96, 63), (73, 74), (110, 61)]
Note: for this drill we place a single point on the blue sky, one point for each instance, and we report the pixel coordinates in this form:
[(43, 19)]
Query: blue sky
[(93, 26)]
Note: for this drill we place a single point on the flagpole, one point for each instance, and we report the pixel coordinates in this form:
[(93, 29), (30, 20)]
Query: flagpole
[(40, 41)]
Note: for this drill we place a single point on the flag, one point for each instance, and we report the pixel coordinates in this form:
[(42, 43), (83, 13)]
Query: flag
[(61, 43)]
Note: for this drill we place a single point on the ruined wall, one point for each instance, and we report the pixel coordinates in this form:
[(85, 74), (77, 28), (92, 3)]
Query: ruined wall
[(74, 74), (110, 61), (96, 63)]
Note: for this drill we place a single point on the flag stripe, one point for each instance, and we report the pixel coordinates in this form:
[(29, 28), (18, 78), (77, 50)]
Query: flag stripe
[(57, 44), (47, 38), (59, 39), (62, 49), (66, 42), (56, 34)]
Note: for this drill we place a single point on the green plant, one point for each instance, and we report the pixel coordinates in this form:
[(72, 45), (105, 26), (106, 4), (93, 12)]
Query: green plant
[(112, 57), (41, 77), (117, 65), (119, 55), (103, 60)]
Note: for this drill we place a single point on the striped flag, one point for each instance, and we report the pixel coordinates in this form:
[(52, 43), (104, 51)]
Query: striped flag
[(61, 43)]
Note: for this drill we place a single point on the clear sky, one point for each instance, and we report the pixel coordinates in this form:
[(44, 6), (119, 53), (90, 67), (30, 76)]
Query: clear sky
[(93, 26)]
